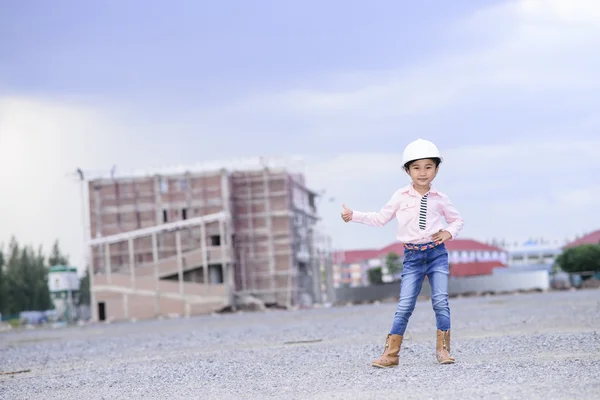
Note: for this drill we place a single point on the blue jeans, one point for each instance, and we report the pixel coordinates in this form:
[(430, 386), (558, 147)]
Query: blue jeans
[(432, 263)]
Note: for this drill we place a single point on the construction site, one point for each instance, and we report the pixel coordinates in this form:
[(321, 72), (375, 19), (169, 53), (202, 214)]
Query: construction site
[(203, 239)]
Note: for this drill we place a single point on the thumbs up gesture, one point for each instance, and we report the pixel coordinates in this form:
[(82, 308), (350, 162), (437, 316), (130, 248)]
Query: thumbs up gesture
[(346, 213)]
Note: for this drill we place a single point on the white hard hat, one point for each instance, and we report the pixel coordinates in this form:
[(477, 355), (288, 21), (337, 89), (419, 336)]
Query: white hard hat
[(418, 149)]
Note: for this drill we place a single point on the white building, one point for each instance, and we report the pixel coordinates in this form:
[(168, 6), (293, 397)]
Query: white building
[(533, 256)]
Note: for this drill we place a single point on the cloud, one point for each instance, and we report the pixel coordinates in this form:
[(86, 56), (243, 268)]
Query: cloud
[(526, 64), (541, 44), (576, 12), (43, 141), (512, 101)]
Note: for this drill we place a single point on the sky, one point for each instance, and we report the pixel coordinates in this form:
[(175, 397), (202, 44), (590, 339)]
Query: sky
[(508, 90)]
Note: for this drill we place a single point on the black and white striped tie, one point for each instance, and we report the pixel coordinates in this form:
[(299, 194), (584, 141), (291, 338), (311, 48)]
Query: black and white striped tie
[(423, 212)]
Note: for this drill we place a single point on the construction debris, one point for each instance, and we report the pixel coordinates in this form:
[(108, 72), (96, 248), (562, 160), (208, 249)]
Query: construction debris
[(304, 341), (15, 372)]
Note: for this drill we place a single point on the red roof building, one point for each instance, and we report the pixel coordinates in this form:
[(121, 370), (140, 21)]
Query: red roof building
[(590, 238), (354, 256), (475, 268), (467, 257)]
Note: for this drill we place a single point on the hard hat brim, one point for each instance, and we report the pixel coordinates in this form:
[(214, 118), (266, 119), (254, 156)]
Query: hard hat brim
[(423, 158)]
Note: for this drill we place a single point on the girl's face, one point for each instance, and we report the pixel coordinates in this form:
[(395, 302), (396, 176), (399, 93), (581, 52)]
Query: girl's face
[(422, 172)]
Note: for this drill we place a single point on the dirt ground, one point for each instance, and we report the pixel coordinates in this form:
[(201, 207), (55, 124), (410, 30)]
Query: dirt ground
[(526, 346)]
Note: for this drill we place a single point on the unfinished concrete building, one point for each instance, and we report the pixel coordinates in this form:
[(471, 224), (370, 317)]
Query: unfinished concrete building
[(201, 239)]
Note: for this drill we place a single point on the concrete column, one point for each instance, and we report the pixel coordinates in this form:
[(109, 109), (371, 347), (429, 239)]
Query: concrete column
[(88, 250), (93, 305), (156, 276), (268, 222), (329, 272), (98, 233), (315, 265), (107, 265), (225, 196), (98, 211), (158, 200), (131, 262), (244, 277), (126, 305), (226, 266), (204, 252), (179, 260), (224, 241), (188, 193)]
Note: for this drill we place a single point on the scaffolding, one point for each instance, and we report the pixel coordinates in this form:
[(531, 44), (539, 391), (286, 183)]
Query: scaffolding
[(274, 223), (277, 252), (262, 235)]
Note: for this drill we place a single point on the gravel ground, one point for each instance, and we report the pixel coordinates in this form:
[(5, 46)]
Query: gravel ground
[(528, 346)]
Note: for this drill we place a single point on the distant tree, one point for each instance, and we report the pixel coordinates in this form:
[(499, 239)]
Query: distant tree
[(56, 257), (84, 291), (555, 268), (15, 279), (26, 278), (585, 257), (393, 263), (42, 300), (35, 286), (375, 276), (3, 286)]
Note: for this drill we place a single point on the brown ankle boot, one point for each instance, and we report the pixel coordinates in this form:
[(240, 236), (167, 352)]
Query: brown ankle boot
[(389, 358), (443, 348)]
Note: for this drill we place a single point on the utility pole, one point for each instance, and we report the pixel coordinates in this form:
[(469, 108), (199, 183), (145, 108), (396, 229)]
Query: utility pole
[(87, 251)]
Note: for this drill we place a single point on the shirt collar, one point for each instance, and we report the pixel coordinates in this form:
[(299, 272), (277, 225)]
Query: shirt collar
[(410, 189)]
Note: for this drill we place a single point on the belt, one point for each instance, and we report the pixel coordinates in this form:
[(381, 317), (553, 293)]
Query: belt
[(420, 247)]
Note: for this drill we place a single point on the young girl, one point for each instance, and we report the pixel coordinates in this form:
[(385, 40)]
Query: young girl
[(418, 208)]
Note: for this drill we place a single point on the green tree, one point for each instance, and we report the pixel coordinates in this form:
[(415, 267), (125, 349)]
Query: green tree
[(3, 287), (29, 285), (84, 290), (15, 279), (375, 276), (42, 300), (34, 280), (393, 263), (27, 280), (56, 257), (24, 277), (583, 258)]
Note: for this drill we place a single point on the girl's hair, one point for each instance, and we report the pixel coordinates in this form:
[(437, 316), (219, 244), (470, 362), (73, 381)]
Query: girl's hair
[(436, 160)]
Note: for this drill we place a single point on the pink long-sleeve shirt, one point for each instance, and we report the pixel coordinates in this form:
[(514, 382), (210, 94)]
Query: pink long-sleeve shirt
[(405, 205)]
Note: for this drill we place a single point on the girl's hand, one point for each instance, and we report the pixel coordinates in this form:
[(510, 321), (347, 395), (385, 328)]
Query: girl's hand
[(346, 214), (441, 236)]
